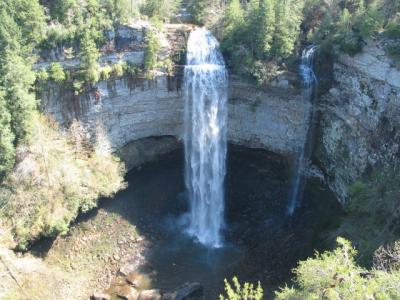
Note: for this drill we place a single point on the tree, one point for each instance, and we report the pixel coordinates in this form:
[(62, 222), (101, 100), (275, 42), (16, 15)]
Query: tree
[(90, 55), (7, 151), (233, 24), (288, 16), (152, 46), (267, 25)]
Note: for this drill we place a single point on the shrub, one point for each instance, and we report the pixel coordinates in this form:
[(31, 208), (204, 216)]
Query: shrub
[(59, 176), (106, 72), (57, 72), (264, 72), (392, 29), (90, 55), (387, 257), (7, 150), (335, 275), (242, 292), (42, 75), (131, 69), (152, 46), (78, 86), (118, 69)]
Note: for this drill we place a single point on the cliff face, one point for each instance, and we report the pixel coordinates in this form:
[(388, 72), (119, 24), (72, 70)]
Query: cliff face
[(360, 118), (274, 119), (139, 112)]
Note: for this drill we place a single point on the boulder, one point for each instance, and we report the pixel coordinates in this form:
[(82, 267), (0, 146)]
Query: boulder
[(127, 292), (150, 295), (138, 280), (100, 296), (193, 290)]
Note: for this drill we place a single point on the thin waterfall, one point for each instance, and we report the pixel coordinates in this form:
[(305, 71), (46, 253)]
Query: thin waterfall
[(309, 82), (205, 86)]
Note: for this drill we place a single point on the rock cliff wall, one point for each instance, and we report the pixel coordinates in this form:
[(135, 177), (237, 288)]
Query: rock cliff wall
[(130, 110), (360, 118)]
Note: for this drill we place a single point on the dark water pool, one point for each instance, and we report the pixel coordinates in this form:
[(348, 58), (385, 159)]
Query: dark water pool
[(262, 244)]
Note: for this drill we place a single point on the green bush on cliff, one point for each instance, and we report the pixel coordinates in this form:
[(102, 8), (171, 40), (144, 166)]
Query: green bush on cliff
[(57, 72), (152, 46), (58, 176), (372, 211), (89, 56), (237, 291), (335, 275)]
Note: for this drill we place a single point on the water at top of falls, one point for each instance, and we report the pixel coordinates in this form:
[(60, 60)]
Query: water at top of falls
[(205, 85), (309, 81), (306, 68)]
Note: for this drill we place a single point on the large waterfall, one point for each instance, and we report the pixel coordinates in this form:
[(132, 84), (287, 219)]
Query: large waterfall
[(206, 84), (309, 81)]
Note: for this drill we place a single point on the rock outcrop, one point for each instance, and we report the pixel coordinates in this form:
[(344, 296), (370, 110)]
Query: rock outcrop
[(360, 118)]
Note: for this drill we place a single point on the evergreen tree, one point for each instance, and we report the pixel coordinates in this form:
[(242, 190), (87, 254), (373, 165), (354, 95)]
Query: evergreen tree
[(288, 16), (22, 24), (7, 151), (267, 25), (90, 55), (233, 24)]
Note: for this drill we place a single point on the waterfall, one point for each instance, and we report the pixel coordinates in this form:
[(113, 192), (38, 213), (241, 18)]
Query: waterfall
[(309, 82), (205, 85)]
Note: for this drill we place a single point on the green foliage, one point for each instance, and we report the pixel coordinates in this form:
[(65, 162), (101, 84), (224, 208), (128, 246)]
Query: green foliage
[(89, 56), (152, 46), (242, 292), (106, 72), (258, 33), (118, 69), (22, 24), (60, 175), (288, 17), (392, 29), (78, 86), (162, 9), (57, 72), (42, 75), (343, 28), (335, 275), (7, 150), (17, 80), (372, 211)]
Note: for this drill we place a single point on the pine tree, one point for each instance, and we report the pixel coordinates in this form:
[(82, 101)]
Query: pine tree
[(267, 25), (288, 16)]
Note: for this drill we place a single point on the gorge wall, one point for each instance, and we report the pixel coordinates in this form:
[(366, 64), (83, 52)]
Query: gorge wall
[(360, 118), (143, 118)]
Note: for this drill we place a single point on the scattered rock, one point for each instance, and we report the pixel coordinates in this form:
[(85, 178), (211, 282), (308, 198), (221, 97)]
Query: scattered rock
[(116, 257), (138, 280), (150, 295), (127, 292), (193, 290), (100, 296)]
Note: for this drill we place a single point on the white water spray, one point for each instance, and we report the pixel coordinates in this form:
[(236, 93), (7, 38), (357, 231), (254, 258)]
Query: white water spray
[(205, 84), (309, 81)]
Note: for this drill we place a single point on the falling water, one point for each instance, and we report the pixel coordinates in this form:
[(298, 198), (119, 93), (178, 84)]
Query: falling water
[(309, 81), (205, 82)]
